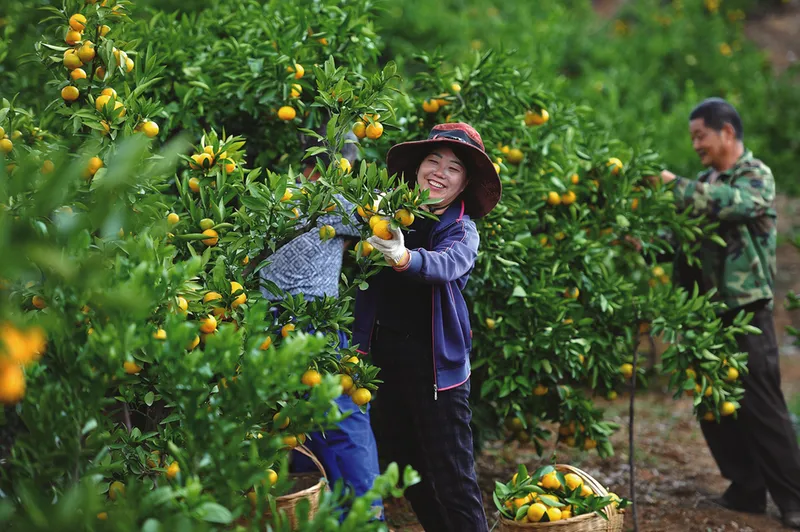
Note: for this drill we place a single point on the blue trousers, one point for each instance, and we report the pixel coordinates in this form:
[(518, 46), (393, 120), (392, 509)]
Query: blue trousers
[(348, 453)]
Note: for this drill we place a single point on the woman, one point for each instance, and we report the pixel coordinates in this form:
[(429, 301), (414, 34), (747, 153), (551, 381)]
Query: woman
[(415, 323)]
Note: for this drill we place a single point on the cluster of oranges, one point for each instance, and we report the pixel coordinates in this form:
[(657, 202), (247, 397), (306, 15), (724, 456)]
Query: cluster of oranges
[(82, 56), (549, 495), (288, 113), (368, 127)]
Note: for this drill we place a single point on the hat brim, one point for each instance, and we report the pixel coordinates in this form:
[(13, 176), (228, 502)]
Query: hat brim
[(484, 189)]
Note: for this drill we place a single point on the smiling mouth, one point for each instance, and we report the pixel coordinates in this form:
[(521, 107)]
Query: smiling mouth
[(436, 185)]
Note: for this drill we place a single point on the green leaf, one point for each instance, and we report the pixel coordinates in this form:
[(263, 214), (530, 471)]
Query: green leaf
[(148, 398), (214, 513)]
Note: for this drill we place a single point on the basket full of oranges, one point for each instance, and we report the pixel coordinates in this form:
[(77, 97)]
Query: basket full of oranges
[(557, 497)]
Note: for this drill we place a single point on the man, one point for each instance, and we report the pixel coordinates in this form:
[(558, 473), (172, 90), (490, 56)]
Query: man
[(758, 451), (312, 267)]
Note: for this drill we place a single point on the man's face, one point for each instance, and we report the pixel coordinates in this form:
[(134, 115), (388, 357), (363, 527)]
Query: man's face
[(443, 174), (711, 146)]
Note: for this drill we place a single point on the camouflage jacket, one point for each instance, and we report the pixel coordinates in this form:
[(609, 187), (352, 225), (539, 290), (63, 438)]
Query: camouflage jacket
[(742, 200)]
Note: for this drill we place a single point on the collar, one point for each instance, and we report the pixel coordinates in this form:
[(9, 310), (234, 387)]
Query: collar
[(746, 157)]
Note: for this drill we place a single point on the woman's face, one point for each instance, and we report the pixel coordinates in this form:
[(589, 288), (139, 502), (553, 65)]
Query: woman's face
[(443, 174)]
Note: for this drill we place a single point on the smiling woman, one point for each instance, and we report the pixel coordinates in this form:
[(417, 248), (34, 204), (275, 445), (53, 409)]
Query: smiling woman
[(415, 321)]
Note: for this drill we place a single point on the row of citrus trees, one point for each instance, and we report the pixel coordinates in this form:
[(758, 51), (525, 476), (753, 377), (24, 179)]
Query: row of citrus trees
[(643, 70), (145, 378)]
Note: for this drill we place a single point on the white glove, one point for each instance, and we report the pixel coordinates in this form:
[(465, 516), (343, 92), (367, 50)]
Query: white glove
[(394, 250)]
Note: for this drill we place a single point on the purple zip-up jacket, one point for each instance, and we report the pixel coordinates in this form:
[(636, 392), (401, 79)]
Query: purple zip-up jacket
[(445, 264)]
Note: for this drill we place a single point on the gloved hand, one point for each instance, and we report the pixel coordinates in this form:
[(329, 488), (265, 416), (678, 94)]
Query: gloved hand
[(394, 250)]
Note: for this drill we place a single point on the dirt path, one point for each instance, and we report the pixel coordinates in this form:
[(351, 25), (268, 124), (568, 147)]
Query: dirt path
[(675, 471)]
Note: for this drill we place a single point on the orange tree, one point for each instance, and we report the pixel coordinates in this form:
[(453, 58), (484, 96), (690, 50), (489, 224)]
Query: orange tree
[(144, 378), (249, 66), (561, 286)]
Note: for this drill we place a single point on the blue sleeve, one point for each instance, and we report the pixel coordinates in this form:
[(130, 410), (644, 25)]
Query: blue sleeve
[(453, 255)]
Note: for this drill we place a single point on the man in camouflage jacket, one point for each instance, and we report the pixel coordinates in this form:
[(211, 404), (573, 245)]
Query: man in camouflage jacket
[(757, 451)]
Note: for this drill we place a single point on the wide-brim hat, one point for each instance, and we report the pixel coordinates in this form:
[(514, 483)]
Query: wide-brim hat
[(483, 190)]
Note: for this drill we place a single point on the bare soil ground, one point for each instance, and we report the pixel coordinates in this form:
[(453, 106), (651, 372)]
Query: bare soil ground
[(675, 472)]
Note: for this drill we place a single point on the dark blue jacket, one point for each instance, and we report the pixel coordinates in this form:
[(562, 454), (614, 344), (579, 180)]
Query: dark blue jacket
[(445, 264)]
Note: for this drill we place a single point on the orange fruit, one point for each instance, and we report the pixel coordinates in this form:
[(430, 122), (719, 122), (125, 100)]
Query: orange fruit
[(364, 248), (280, 420), (194, 185), (87, 52), (430, 106), (727, 408), (550, 481), (732, 375), (149, 128), (626, 370), (326, 232), (229, 165), (102, 101), (39, 302), (77, 22), (115, 490), (77, 74), (286, 329), (540, 390), (347, 383), (73, 37), (345, 165), (615, 165), (405, 217), (311, 378), (212, 239), (241, 298), (194, 343), (201, 160), (515, 156), (173, 470), (361, 396), (553, 198), (266, 343), (574, 179), (572, 293), (568, 198), (536, 512), (532, 118), (298, 70), (103, 30), (131, 368), (287, 113), (374, 130), (360, 130), (12, 383), (381, 229), (70, 93), (208, 324), (108, 91), (72, 60)]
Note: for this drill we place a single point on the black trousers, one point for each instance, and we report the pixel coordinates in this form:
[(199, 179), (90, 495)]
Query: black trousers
[(433, 436), (758, 451)]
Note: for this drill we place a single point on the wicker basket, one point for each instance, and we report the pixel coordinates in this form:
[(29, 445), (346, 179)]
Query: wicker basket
[(590, 522), (286, 504)]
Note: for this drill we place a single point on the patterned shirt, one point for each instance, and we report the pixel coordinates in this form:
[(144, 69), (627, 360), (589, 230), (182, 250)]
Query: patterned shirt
[(309, 266), (742, 200)]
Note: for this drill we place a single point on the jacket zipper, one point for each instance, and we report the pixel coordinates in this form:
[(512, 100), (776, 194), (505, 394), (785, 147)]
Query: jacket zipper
[(433, 335)]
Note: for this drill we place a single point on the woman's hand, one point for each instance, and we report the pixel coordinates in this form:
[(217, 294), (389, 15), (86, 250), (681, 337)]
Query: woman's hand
[(394, 249)]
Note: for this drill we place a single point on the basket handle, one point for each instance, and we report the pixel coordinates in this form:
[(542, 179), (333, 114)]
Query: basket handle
[(305, 451)]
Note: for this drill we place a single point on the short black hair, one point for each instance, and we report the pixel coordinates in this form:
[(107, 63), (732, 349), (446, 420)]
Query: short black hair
[(717, 112)]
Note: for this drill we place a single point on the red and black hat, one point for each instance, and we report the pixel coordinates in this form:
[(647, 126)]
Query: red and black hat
[(483, 190)]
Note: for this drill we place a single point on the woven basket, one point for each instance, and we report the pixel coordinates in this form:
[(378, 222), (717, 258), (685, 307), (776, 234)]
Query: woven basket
[(590, 522), (286, 504)]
